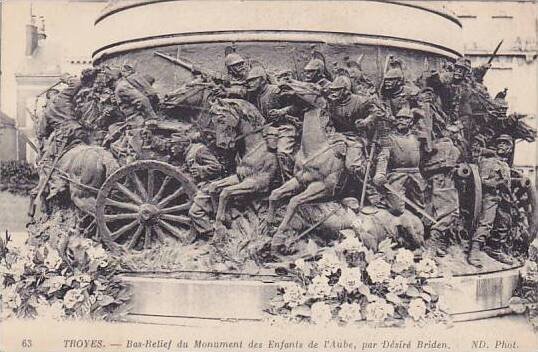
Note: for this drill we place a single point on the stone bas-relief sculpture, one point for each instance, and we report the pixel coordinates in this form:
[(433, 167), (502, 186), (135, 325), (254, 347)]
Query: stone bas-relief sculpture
[(260, 164)]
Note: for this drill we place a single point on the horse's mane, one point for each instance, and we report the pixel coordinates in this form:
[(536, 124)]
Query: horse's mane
[(243, 109)]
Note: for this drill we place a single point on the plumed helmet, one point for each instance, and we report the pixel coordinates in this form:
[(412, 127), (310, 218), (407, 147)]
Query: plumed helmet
[(233, 59), (315, 65), (341, 81), (255, 72), (405, 112), (463, 62), (393, 73)]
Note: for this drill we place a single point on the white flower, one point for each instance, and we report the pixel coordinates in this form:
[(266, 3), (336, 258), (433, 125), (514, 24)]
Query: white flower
[(53, 259), (398, 285), (293, 294), (378, 270), (378, 310), (416, 309), (72, 297), (404, 260), (351, 244), (426, 268), (50, 311), (17, 269), (329, 263), (350, 312), (320, 313), (11, 297), (320, 286), (83, 279), (55, 283), (350, 279), (302, 266)]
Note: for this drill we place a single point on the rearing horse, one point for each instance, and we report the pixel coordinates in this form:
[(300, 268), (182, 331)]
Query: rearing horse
[(318, 164), (239, 124)]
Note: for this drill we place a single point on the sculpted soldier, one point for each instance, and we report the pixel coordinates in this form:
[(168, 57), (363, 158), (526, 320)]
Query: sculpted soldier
[(455, 95), (62, 131), (316, 70), (136, 97), (396, 93), (398, 165), (356, 117), (360, 83), (273, 106), (204, 167), (441, 194), (237, 70), (495, 175)]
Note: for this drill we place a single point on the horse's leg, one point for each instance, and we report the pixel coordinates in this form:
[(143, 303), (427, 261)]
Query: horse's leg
[(287, 189), (248, 185), (214, 186), (314, 191)]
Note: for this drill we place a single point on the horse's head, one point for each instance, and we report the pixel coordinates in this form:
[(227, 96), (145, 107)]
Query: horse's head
[(225, 121), (233, 118)]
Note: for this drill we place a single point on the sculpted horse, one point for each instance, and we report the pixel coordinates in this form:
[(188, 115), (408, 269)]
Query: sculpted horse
[(318, 165), (319, 168), (190, 103), (87, 165), (239, 125)]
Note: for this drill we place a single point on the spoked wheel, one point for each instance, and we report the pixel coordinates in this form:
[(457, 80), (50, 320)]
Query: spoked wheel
[(144, 202)]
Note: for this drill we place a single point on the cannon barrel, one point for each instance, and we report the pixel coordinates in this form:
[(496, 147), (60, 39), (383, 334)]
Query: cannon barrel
[(463, 171)]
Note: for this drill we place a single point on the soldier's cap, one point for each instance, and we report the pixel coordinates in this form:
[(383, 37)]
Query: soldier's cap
[(506, 138), (481, 139), (393, 73), (284, 71), (405, 112), (488, 131), (341, 82), (463, 62), (427, 90), (233, 59), (256, 72), (270, 131), (314, 65)]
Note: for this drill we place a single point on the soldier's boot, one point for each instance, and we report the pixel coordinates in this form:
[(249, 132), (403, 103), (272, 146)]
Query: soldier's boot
[(497, 254), (474, 255), (437, 243)]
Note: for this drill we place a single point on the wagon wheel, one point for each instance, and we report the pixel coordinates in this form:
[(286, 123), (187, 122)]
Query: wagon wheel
[(144, 202)]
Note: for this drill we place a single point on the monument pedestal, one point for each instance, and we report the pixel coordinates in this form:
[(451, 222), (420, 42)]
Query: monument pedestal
[(197, 302)]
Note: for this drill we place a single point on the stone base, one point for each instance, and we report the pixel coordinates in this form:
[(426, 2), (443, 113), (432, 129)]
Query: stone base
[(196, 302)]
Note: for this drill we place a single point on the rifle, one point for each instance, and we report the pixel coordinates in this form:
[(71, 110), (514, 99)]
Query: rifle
[(192, 68), (368, 167), (495, 52)]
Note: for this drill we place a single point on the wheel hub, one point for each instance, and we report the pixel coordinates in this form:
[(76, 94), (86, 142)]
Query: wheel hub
[(148, 212)]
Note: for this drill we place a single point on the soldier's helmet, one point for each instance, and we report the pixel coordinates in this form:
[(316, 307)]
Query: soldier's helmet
[(256, 72), (393, 73), (480, 141), (340, 82), (315, 65), (463, 62), (233, 59), (505, 138), (405, 112)]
